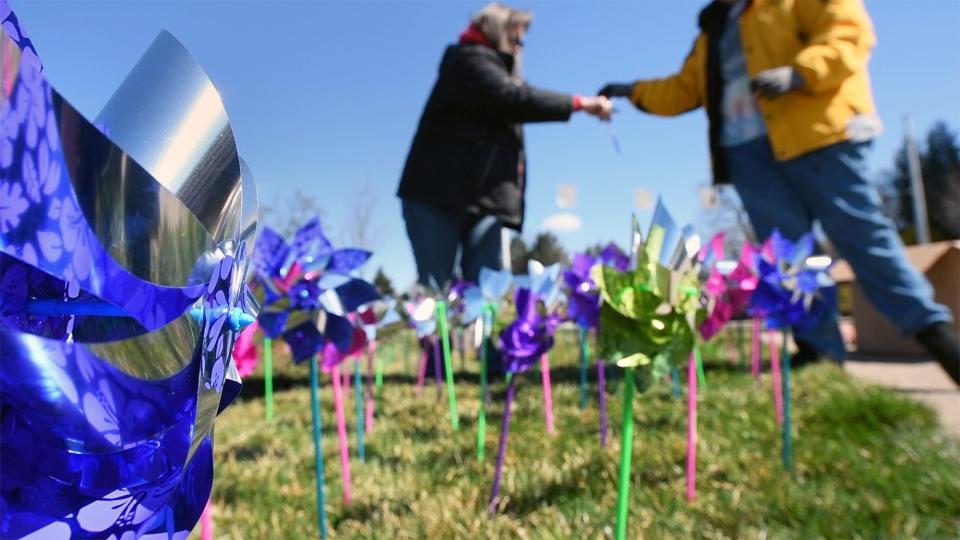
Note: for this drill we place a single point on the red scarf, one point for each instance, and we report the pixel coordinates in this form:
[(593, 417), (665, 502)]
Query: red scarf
[(474, 36)]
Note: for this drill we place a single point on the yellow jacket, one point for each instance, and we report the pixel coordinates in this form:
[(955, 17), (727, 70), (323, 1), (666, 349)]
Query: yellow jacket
[(827, 41)]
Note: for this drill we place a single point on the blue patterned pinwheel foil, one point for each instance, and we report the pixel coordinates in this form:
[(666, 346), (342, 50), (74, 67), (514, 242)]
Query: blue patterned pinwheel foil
[(123, 251), (308, 289)]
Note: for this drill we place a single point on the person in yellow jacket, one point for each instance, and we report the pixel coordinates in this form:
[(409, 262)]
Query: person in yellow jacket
[(791, 116)]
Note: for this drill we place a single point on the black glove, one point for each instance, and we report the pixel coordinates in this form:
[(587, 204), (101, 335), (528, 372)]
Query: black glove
[(616, 90), (773, 83)]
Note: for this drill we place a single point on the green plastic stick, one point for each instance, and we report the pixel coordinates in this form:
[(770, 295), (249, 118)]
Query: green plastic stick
[(701, 378), (787, 416), (626, 455), (448, 363), (268, 376), (378, 361), (584, 352)]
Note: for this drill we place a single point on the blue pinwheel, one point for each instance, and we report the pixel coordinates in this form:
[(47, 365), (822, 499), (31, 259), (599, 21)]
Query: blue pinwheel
[(487, 294), (309, 289), (480, 305), (794, 291), (121, 295)]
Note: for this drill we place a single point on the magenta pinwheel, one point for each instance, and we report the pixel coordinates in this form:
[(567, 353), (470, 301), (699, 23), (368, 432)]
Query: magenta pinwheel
[(728, 287)]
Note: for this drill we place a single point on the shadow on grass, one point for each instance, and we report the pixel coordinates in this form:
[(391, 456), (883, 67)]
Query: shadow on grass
[(374, 455), (248, 452)]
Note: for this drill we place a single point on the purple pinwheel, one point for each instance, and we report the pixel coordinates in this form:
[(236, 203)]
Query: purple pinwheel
[(583, 307), (121, 295), (614, 257), (522, 344), (583, 300), (529, 336)]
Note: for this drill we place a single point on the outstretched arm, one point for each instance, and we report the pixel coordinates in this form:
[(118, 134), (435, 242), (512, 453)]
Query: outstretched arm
[(669, 96)]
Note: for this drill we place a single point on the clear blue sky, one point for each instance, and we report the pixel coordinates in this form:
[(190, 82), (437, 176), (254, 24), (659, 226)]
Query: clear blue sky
[(325, 96)]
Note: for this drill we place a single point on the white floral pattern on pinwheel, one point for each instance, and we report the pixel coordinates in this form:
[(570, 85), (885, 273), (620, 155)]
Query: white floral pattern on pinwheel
[(12, 205), (217, 310), (74, 234), (9, 128), (36, 117), (43, 176), (101, 409), (125, 507)]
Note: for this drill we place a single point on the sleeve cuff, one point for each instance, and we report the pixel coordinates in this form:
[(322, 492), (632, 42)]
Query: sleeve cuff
[(577, 103)]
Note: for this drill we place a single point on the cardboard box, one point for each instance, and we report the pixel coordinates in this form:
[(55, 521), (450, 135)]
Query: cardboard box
[(940, 262)]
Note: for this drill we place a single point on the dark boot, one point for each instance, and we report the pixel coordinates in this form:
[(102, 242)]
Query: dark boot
[(805, 355), (942, 344)]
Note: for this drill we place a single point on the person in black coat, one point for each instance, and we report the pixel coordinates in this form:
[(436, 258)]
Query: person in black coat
[(465, 174)]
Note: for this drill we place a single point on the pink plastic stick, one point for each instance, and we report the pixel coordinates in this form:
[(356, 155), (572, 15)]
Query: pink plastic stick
[(755, 350), (371, 397), (775, 373), (422, 375), (692, 428), (547, 392), (206, 523), (341, 432)]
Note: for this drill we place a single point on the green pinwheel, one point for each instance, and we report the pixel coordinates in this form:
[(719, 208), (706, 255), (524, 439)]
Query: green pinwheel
[(648, 324), (650, 313)]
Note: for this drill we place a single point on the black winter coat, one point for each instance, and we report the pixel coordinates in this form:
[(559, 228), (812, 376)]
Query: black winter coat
[(468, 151)]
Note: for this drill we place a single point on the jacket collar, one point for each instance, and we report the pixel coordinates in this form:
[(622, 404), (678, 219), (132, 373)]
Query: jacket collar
[(506, 58), (713, 18)]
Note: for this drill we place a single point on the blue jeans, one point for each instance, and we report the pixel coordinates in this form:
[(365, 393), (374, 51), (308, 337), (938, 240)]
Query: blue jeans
[(437, 235), (829, 185)]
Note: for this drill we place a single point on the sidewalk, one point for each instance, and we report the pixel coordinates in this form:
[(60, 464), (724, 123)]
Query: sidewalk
[(921, 380)]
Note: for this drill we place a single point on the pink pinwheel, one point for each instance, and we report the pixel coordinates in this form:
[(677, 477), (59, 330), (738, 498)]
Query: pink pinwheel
[(728, 287), (245, 351)]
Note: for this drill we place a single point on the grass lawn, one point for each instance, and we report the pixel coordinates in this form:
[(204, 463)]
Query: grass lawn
[(868, 462)]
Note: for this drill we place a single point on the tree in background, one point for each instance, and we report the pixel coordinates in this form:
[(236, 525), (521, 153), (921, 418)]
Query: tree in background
[(726, 214), (519, 255), (290, 214), (361, 229), (940, 165), (545, 248), (382, 283)]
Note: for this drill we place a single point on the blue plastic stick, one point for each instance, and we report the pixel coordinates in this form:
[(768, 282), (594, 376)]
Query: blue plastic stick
[(675, 379), (358, 392)]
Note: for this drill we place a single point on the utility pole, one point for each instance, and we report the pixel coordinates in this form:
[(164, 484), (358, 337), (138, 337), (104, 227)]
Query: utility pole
[(921, 224)]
